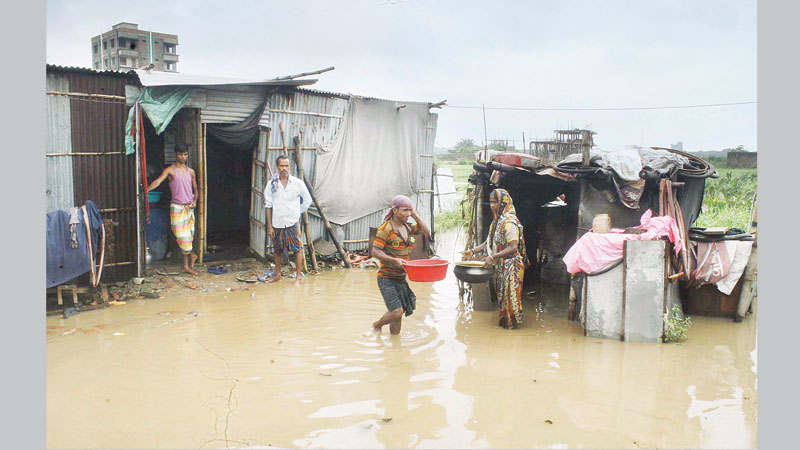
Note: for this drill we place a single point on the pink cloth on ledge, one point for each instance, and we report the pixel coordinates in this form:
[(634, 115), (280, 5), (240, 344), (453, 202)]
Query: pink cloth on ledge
[(594, 251)]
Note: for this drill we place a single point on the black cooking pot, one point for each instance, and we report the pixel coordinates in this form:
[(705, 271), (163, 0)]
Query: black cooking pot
[(472, 274)]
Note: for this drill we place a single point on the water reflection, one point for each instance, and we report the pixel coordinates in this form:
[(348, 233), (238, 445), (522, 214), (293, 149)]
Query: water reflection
[(298, 368)]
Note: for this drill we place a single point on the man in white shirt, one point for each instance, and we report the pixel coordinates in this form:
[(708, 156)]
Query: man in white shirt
[(286, 197)]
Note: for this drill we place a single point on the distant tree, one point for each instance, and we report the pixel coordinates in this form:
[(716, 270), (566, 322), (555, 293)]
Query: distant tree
[(738, 149), (465, 145)]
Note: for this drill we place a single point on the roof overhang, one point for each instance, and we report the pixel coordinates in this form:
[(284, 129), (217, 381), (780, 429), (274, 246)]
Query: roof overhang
[(150, 77)]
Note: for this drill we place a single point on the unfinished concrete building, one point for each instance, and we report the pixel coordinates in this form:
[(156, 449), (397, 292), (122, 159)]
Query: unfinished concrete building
[(126, 47)]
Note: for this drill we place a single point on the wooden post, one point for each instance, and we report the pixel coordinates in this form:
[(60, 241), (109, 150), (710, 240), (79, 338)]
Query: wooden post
[(327, 224), (298, 158), (283, 140)]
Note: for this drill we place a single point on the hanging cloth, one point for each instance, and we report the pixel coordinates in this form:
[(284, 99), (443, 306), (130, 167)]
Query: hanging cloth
[(242, 135)]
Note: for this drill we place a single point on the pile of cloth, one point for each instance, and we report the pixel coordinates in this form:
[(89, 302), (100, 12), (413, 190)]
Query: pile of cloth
[(596, 251), (719, 260), (74, 237)]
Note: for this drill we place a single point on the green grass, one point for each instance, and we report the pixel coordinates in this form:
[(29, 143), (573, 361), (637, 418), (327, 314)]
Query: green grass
[(453, 219), (727, 199)]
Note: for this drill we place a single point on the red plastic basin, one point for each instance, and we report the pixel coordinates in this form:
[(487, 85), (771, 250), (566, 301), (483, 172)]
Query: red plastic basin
[(426, 269)]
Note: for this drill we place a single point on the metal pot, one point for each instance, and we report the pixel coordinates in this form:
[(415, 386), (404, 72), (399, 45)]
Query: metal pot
[(472, 274)]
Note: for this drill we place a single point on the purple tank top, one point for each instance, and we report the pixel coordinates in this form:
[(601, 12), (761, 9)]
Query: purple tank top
[(181, 187)]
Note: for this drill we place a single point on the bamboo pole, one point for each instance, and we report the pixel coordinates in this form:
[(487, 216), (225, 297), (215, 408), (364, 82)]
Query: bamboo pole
[(283, 140), (299, 161), (85, 154), (204, 233), (327, 224), (80, 94), (291, 77)]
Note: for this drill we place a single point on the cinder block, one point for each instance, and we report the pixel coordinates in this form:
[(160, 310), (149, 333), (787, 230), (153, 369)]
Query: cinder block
[(645, 266)]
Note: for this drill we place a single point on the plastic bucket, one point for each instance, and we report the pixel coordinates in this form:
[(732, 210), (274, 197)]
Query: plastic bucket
[(154, 196), (426, 270)]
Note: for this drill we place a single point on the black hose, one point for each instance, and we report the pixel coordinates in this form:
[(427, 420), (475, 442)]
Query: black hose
[(606, 268)]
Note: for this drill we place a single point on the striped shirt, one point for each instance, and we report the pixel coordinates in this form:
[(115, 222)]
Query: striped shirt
[(388, 240)]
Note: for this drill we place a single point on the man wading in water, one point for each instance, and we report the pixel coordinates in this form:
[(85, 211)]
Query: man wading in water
[(183, 186), (392, 246)]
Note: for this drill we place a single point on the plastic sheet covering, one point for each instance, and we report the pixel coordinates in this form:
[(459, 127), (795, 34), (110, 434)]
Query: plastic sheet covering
[(625, 162), (160, 104), (372, 158)]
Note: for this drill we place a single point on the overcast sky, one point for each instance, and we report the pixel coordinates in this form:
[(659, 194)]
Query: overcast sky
[(501, 54)]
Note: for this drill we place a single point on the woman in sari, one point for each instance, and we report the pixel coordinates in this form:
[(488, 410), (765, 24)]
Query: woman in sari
[(505, 250)]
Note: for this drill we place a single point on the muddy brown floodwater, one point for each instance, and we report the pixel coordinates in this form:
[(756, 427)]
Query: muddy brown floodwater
[(297, 368)]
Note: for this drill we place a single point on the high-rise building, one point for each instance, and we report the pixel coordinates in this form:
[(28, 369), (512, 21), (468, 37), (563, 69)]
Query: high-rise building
[(127, 47)]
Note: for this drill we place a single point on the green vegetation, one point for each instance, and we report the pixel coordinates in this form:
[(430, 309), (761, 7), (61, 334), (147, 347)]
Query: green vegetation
[(728, 199), (460, 217), (675, 328)]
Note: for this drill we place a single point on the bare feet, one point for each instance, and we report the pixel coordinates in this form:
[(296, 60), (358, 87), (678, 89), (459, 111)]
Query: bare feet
[(376, 328), (273, 279), (193, 258), (189, 270), (297, 282)]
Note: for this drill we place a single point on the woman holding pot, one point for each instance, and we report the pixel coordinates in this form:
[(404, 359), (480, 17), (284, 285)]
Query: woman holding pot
[(505, 250)]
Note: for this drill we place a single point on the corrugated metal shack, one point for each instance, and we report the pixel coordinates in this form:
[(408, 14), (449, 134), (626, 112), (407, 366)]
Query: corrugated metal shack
[(313, 116), (84, 150)]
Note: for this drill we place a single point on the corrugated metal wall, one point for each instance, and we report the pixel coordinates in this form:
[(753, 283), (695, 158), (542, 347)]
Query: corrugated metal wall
[(58, 140), (98, 126), (232, 104), (315, 117)]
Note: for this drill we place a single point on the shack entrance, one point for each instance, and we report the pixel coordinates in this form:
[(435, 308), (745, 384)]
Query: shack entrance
[(229, 189), (548, 210)]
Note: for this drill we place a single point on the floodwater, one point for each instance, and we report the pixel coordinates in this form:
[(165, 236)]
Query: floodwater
[(297, 368)]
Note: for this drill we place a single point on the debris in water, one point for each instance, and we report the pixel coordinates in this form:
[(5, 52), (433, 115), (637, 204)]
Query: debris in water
[(70, 331), (548, 421), (71, 311), (325, 374), (54, 327), (534, 380), (118, 334), (253, 295), (191, 315), (387, 419)]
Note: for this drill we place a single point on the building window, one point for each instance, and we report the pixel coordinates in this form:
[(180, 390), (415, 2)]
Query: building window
[(170, 66), (121, 42), (123, 60), (113, 61), (105, 45), (112, 43), (135, 62), (94, 47), (105, 62), (96, 66), (169, 48)]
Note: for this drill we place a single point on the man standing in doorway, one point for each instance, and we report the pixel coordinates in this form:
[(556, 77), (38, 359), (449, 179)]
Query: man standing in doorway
[(183, 186), (392, 246), (286, 197)]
